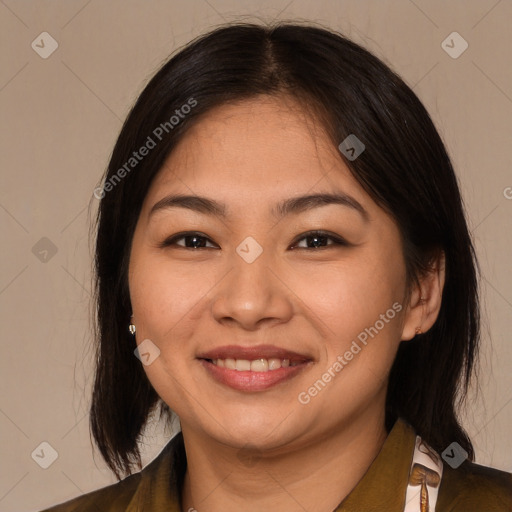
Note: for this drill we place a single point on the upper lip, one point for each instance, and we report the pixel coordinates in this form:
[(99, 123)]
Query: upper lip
[(252, 353)]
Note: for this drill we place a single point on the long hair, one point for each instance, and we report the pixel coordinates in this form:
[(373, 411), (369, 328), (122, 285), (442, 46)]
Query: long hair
[(404, 168)]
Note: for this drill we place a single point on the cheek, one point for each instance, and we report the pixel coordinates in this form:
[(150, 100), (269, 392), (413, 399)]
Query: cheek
[(163, 293), (360, 312), (164, 297), (350, 297)]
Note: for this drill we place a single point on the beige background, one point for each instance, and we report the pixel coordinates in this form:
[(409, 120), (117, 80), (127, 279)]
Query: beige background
[(60, 118)]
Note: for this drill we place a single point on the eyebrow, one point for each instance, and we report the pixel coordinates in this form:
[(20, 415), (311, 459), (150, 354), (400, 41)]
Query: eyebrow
[(293, 205)]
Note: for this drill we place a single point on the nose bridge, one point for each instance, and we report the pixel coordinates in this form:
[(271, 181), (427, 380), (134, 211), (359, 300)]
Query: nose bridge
[(251, 292)]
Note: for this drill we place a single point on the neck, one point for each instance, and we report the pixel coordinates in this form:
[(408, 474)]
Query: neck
[(314, 477)]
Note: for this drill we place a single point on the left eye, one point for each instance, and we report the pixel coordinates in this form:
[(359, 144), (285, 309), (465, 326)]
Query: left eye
[(318, 238)]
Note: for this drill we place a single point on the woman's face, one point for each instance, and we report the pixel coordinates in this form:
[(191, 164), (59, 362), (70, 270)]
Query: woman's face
[(248, 284)]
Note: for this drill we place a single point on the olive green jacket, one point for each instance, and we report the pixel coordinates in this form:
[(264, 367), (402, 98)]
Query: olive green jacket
[(383, 488)]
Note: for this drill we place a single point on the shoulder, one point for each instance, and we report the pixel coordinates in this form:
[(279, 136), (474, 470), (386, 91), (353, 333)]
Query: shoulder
[(111, 498), (153, 482), (475, 488)]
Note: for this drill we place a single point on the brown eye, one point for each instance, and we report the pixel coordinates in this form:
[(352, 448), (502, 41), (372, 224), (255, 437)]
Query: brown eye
[(192, 240), (319, 239)]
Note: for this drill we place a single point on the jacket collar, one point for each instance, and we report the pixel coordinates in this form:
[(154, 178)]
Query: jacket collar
[(383, 486), (160, 483)]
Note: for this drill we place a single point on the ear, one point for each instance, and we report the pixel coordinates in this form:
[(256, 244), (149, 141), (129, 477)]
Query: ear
[(425, 301)]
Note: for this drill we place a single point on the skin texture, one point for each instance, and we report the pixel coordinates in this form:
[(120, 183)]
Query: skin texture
[(315, 301)]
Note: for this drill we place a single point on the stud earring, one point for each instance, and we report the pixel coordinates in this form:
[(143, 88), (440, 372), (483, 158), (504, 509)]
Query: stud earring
[(131, 327), (422, 301)]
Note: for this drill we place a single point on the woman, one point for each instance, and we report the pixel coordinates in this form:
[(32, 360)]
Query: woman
[(283, 247)]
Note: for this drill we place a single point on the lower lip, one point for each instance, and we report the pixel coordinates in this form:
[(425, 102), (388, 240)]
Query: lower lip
[(251, 381)]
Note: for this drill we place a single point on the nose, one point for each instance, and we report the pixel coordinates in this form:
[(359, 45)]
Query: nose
[(253, 294)]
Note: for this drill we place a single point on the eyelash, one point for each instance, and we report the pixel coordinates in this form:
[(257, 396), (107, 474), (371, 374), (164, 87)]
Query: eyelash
[(338, 241)]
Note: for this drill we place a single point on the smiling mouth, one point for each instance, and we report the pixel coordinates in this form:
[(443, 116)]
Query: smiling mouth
[(255, 365), (253, 368), (253, 375)]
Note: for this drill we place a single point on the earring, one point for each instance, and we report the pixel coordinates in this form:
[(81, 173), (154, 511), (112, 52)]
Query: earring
[(422, 301), (131, 327)]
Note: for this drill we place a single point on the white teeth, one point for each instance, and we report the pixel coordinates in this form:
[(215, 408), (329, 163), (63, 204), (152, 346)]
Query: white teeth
[(229, 363), (243, 365), (257, 365), (274, 364)]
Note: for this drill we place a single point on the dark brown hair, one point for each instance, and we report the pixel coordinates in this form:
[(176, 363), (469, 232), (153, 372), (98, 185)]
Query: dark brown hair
[(404, 168)]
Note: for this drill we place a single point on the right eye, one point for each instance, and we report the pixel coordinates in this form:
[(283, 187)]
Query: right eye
[(195, 240)]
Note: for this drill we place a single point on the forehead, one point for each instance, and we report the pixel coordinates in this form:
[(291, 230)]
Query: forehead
[(260, 149)]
